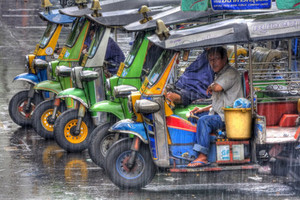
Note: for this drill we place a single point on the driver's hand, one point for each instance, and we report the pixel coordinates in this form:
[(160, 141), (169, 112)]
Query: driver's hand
[(84, 51), (196, 110), (174, 97), (168, 100)]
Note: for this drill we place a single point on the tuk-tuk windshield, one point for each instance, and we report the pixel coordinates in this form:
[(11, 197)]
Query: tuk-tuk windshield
[(135, 48), (47, 34), (160, 66), (96, 40), (76, 29)]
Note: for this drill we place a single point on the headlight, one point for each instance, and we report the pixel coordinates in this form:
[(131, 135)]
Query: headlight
[(129, 104), (49, 70), (26, 61), (63, 71), (39, 64), (146, 106), (88, 75), (107, 86), (75, 75), (122, 91)]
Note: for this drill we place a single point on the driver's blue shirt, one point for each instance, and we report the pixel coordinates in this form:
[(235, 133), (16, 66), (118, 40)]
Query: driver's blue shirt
[(114, 56), (193, 83)]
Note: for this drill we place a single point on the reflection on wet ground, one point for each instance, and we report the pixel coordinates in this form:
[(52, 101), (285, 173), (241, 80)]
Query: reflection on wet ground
[(34, 168)]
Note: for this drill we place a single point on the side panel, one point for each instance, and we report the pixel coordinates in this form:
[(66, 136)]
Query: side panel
[(181, 131)]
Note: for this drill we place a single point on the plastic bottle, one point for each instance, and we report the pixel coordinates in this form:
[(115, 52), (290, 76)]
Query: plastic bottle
[(220, 134), (254, 101)]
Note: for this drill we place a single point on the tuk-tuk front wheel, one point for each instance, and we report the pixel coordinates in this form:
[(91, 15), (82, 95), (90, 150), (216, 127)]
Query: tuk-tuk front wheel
[(42, 118), (100, 142), (118, 171), (65, 134), (18, 109)]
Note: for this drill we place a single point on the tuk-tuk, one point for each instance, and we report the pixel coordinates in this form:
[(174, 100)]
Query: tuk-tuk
[(77, 139), (165, 140), (22, 104), (132, 72), (101, 138), (59, 74), (71, 55)]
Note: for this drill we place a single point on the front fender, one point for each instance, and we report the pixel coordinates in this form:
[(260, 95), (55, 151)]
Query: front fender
[(108, 107), (129, 126), (51, 86), (74, 93), (28, 77)]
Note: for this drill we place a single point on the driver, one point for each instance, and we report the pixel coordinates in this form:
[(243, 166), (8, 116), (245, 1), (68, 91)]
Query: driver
[(226, 88), (113, 56)]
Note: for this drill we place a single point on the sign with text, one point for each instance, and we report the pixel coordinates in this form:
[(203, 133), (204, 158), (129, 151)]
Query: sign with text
[(288, 4), (269, 28), (194, 5), (240, 4), (198, 37)]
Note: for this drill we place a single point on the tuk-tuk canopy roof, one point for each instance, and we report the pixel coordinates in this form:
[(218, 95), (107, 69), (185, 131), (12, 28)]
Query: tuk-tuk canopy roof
[(116, 5), (55, 17), (176, 15), (247, 29), (121, 18), (74, 11)]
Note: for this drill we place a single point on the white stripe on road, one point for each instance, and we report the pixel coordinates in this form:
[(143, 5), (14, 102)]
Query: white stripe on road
[(22, 9), (31, 27), (19, 15)]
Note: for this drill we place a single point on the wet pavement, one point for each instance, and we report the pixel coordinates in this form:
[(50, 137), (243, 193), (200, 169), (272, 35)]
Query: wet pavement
[(34, 168)]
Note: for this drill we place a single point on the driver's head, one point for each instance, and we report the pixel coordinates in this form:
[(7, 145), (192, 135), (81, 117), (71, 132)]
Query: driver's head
[(217, 58)]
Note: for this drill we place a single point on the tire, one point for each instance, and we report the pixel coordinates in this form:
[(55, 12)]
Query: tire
[(17, 105), (64, 128), (100, 141), (41, 118), (279, 168), (142, 173)]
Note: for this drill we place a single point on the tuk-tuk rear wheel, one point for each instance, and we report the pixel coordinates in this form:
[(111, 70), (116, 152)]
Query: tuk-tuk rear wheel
[(118, 172), (42, 123), (64, 131), (17, 107)]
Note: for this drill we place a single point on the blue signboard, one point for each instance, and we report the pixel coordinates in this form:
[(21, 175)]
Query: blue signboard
[(240, 4)]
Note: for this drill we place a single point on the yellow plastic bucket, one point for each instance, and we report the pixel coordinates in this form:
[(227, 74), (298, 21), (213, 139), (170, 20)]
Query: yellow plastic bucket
[(238, 123)]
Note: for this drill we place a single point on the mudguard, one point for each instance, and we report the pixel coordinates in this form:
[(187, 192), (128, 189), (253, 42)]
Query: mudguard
[(74, 93), (51, 86), (129, 126), (108, 107), (27, 77)]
